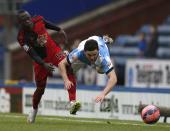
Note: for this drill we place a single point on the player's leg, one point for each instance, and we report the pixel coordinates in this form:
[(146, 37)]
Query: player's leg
[(36, 100), (72, 78), (74, 105), (38, 92), (40, 78)]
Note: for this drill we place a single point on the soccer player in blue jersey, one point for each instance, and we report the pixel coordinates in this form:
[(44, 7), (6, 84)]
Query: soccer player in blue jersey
[(94, 52)]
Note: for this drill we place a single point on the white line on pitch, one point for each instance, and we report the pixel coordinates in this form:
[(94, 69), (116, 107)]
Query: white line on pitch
[(87, 121)]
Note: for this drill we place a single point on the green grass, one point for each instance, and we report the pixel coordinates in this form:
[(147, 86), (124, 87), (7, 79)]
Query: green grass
[(17, 122)]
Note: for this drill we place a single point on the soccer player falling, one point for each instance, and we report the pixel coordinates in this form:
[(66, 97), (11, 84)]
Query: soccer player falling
[(94, 52)]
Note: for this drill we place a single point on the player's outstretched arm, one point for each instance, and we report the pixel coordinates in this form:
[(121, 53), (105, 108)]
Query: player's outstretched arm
[(110, 84), (62, 67), (51, 26)]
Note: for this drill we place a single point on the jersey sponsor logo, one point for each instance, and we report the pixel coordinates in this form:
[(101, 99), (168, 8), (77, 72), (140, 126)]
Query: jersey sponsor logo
[(42, 39), (109, 64)]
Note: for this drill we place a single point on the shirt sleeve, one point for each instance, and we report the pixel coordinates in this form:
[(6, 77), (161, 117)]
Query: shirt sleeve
[(51, 26), (28, 49), (73, 56), (107, 65), (104, 51)]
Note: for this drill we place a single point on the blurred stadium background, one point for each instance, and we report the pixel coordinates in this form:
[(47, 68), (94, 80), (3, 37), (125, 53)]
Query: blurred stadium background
[(140, 52)]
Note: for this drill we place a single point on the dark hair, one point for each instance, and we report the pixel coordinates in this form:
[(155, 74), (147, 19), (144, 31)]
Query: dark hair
[(91, 45), (22, 14)]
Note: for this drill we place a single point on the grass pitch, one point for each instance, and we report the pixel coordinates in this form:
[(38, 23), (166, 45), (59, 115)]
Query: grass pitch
[(17, 122)]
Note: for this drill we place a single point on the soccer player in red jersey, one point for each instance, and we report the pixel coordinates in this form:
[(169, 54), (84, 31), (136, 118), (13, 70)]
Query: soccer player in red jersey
[(35, 40)]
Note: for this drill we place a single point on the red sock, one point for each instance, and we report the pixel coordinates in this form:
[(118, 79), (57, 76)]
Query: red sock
[(72, 90)]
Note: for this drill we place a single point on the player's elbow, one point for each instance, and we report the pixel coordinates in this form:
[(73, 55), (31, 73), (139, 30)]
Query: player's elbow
[(113, 77)]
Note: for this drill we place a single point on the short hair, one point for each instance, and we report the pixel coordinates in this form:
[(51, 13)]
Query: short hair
[(22, 14), (91, 45)]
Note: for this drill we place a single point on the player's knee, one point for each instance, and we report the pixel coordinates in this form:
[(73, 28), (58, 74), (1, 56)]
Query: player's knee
[(40, 90)]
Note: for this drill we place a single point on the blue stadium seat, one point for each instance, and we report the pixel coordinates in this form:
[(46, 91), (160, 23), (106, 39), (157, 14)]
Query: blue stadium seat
[(145, 29), (163, 30), (127, 40), (163, 53), (124, 51), (167, 21), (164, 41)]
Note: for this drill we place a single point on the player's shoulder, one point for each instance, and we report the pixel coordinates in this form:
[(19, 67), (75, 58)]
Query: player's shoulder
[(75, 51), (37, 18), (74, 54)]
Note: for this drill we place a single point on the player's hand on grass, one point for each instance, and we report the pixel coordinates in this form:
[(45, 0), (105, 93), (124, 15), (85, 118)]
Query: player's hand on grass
[(49, 67), (99, 98)]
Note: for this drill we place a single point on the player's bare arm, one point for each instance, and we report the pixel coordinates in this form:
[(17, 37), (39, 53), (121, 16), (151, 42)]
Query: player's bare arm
[(62, 69), (110, 84)]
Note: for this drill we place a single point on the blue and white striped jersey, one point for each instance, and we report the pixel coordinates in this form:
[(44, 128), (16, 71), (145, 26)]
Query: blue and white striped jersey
[(103, 63)]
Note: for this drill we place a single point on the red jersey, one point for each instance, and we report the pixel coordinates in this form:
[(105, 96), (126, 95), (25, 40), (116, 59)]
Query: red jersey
[(38, 38)]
